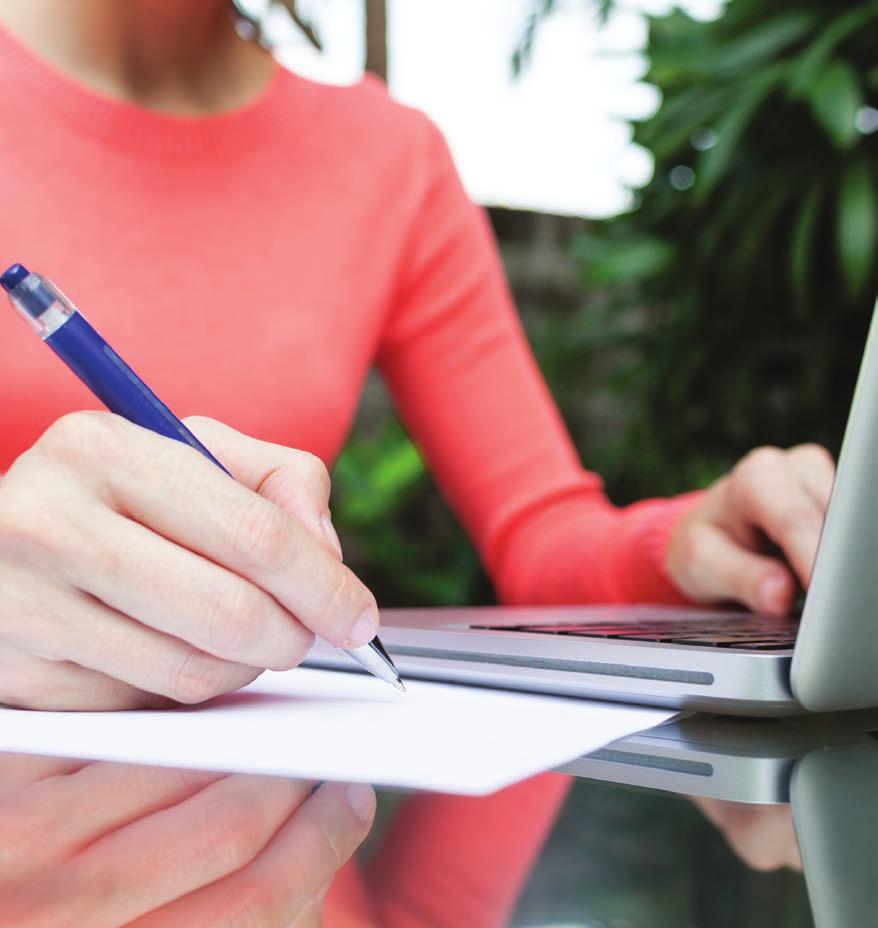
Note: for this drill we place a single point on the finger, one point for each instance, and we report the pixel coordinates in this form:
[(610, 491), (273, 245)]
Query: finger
[(175, 591), (719, 569), (762, 836), (294, 480), (178, 493), (287, 880), (764, 491), (176, 851), (67, 625), (19, 771), (105, 797), (815, 470), (31, 682)]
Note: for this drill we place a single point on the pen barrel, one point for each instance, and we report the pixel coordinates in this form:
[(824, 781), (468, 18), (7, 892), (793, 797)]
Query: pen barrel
[(113, 382)]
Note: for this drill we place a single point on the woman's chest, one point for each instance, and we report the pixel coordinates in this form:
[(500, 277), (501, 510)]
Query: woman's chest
[(276, 349), (241, 293)]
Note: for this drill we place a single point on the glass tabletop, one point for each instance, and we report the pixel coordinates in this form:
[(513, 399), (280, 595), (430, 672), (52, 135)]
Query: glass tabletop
[(711, 822), (704, 822)]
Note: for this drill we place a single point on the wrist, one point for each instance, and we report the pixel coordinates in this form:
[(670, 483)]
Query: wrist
[(645, 575)]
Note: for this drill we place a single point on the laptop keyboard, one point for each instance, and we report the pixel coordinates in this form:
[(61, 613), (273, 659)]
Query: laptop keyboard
[(750, 634)]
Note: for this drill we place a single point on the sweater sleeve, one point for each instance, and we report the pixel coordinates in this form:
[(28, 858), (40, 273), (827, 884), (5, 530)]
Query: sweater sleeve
[(466, 384), (448, 861)]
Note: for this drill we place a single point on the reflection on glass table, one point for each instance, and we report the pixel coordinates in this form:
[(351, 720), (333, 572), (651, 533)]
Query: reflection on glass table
[(796, 794), (104, 845), (101, 845)]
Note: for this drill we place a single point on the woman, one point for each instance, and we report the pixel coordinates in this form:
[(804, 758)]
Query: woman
[(253, 243)]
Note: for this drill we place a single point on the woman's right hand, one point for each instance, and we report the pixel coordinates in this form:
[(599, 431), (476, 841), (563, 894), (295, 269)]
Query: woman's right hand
[(135, 573), (109, 845)]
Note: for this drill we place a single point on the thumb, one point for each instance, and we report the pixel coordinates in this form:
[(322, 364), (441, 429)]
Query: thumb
[(296, 481), (721, 569), (321, 838)]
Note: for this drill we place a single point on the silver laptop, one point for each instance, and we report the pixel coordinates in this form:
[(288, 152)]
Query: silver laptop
[(825, 767), (732, 663), (733, 759)]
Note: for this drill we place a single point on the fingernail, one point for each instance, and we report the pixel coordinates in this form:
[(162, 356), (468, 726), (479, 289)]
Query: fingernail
[(331, 534), (362, 801), (364, 630), (772, 594)]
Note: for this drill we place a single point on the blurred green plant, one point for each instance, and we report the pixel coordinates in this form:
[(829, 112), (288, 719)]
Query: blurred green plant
[(734, 299), (396, 529), (727, 310)]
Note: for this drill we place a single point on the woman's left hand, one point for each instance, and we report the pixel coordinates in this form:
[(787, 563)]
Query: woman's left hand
[(753, 537), (763, 837)]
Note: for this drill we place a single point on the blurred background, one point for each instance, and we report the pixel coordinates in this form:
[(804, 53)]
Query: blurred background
[(686, 198)]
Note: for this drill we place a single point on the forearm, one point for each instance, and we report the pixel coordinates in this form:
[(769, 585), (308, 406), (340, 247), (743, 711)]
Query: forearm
[(582, 549)]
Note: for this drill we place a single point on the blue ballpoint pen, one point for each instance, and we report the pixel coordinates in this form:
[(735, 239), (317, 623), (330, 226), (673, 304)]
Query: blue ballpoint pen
[(66, 331)]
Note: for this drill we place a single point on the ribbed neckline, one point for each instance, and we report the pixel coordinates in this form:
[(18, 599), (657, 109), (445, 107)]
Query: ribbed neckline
[(121, 124)]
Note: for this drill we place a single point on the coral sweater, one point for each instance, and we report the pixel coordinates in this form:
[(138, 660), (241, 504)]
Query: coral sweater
[(253, 267)]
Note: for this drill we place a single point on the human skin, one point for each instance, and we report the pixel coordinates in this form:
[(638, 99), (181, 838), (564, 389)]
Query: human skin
[(725, 547), (134, 572), (763, 837), (110, 845)]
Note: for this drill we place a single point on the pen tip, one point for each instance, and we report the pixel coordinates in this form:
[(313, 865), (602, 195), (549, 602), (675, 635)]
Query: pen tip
[(399, 685)]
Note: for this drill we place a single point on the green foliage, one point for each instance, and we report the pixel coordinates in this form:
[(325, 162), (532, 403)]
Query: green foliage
[(395, 530), (735, 298)]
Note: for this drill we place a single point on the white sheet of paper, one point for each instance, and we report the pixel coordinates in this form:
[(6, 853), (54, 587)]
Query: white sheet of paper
[(324, 725)]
